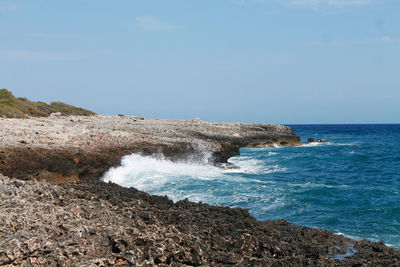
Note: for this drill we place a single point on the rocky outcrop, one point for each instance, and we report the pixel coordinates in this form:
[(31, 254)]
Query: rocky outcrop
[(93, 223), (87, 222), (312, 140), (72, 148)]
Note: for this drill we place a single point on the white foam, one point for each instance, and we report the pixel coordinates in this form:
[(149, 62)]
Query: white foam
[(274, 168), (253, 166), (146, 172), (348, 236), (179, 180), (391, 245), (246, 165), (315, 144), (277, 203), (316, 185), (143, 172), (345, 144)]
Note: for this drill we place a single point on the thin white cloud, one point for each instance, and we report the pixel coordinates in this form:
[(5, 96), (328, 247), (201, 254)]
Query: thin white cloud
[(25, 55), (149, 23), (7, 6)]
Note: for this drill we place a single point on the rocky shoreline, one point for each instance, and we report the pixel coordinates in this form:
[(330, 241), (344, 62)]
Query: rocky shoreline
[(81, 221), (76, 147)]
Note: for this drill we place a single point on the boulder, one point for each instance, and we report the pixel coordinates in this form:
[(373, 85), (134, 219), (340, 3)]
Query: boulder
[(312, 140)]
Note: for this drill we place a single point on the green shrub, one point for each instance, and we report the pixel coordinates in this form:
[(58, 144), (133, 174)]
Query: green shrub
[(66, 109), (19, 107)]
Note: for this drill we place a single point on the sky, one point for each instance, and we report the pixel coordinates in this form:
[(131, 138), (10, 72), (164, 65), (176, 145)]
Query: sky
[(270, 61)]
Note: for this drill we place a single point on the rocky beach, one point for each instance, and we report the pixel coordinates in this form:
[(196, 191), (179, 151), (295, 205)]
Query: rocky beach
[(56, 211)]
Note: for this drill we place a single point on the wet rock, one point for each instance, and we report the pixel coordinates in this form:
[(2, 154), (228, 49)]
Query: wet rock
[(312, 140)]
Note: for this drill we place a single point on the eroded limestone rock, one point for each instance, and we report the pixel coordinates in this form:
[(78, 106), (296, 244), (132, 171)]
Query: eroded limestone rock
[(93, 223), (79, 147)]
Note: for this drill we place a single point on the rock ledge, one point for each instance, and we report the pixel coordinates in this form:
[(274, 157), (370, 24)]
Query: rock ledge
[(72, 148)]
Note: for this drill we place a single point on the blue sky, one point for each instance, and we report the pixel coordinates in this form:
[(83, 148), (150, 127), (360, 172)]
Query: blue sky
[(273, 61)]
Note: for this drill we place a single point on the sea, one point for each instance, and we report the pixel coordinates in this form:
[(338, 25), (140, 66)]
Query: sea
[(350, 185)]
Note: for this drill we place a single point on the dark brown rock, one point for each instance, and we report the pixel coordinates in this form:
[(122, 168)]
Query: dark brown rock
[(312, 140), (95, 223)]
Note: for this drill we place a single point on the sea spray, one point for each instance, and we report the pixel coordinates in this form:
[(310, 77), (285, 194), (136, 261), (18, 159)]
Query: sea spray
[(189, 179), (146, 172), (350, 185)]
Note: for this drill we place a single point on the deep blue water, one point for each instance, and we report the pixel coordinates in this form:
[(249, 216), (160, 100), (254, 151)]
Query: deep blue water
[(350, 185)]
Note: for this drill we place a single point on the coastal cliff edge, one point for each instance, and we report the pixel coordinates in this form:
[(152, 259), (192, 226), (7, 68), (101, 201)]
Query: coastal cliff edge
[(77, 147), (59, 213)]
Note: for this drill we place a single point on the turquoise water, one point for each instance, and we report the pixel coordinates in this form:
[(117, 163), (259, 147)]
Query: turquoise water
[(350, 185)]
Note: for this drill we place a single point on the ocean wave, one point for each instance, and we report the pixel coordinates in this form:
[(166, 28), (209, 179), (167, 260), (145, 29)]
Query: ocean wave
[(192, 180), (246, 165), (253, 166), (277, 203), (146, 172), (327, 186), (346, 144), (266, 148), (316, 185), (314, 144)]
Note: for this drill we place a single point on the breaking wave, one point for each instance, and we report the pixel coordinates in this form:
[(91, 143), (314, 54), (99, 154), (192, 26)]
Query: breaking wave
[(146, 172), (348, 186), (197, 181)]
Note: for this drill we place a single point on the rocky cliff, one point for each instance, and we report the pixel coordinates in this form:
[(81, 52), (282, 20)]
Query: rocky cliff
[(73, 148), (86, 222)]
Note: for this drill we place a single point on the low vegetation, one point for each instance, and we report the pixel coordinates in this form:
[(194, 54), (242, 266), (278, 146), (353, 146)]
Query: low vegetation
[(19, 107)]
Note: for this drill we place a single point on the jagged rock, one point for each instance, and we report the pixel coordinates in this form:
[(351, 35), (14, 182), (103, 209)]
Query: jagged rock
[(86, 222), (312, 140), (89, 146), (93, 223)]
